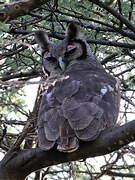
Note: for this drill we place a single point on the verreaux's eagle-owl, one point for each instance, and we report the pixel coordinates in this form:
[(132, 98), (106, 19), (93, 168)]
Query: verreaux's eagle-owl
[(80, 98)]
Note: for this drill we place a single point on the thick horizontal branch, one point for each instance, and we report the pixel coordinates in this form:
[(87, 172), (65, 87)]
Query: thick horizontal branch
[(92, 41), (21, 163), (14, 122), (104, 27), (19, 8), (111, 43), (32, 73), (119, 174)]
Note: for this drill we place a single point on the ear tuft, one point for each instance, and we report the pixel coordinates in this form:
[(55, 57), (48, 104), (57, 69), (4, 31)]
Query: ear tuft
[(73, 31), (42, 40)]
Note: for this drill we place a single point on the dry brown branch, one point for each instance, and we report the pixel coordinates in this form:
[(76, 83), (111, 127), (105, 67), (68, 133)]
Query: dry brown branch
[(13, 10)]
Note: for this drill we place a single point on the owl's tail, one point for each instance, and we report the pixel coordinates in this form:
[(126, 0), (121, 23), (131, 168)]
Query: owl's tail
[(68, 141)]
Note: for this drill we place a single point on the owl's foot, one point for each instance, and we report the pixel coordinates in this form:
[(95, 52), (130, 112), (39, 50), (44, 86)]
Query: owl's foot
[(73, 145)]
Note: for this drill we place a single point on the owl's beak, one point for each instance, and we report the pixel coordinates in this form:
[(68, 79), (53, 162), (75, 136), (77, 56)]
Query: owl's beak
[(61, 63)]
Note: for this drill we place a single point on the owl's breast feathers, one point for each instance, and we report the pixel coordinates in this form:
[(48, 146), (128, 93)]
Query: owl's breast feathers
[(78, 106)]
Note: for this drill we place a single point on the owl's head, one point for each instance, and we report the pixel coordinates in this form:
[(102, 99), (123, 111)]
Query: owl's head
[(56, 56)]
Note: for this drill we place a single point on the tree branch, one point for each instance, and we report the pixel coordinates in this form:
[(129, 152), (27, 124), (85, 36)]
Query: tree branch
[(92, 41), (19, 8), (29, 74), (20, 163), (120, 17), (119, 174)]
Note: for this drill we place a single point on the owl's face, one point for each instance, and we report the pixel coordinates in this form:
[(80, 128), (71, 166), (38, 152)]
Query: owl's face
[(57, 56)]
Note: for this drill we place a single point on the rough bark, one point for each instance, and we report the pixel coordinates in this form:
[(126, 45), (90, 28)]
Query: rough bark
[(17, 164), (22, 7)]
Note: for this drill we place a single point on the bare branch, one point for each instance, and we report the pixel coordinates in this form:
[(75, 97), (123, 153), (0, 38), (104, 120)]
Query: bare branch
[(32, 73), (122, 19), (19, 8)]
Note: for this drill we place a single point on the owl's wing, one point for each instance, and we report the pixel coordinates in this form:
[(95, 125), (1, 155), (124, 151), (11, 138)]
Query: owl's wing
[(80, 115), (79, 106), (95, 106), (44, 143), (48, 123), (52, 125), (84, 118)]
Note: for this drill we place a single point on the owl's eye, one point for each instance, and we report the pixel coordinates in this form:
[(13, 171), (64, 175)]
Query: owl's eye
[(70, 49), (49, 57), (48, 54)]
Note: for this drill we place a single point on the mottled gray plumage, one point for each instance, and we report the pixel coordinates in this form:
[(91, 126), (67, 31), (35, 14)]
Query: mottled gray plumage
[(79, 100)]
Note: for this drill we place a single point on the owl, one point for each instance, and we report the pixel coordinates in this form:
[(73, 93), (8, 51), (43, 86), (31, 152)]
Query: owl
[(80, 99)]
